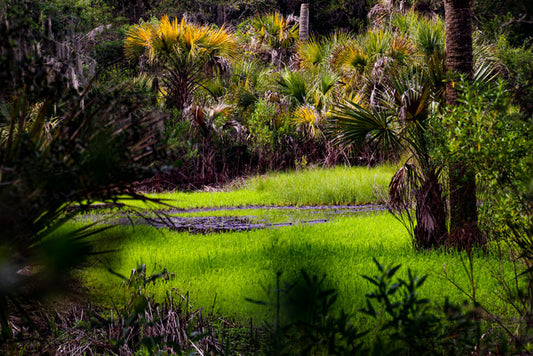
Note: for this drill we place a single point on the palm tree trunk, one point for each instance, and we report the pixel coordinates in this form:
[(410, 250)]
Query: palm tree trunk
[(459, 59), (430, 231), (304, 22)]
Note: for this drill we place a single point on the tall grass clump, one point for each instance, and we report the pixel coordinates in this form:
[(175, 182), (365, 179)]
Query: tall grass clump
[(314, 186)]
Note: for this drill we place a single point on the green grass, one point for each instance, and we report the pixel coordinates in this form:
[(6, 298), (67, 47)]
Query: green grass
[(340, 185), (222, 270), (230, 267)]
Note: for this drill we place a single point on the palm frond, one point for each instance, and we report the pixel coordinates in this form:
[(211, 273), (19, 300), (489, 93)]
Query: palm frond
[(353, 123), (294, 85), (138, 40), (314, 52), (307, 118), (487, 66), (430, 38)]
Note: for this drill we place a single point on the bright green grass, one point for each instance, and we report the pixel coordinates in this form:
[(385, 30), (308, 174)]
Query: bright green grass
[(233, 266), (339, 185)]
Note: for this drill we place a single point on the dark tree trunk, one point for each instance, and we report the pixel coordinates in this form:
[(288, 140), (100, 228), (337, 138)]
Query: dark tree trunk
[(459, 60), (459, 57)]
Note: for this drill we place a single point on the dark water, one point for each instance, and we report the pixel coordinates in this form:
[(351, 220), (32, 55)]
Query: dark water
[(259, 217)]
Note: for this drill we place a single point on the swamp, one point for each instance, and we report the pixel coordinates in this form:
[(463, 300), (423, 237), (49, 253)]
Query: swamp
[(272, 177)]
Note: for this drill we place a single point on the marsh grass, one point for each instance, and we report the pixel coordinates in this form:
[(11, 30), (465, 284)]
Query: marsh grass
[(220, 270), (339, 185)]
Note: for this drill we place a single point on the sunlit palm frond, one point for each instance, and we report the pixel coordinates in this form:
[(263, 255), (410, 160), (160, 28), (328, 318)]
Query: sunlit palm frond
[(401, 49), (376, 43), (221, 43), (314, 52), (353, 57), (274, 30), (167, 30), (138, 40), (405, 22), (308, 119)]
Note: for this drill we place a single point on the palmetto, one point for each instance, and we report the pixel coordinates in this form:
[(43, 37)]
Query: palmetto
[(182, 54), (272, 36)]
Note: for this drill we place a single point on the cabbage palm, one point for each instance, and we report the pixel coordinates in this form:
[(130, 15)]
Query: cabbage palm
[(182, 54), (399, 122)]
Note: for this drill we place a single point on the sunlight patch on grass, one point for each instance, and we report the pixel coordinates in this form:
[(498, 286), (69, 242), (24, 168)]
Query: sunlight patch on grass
[(233, 266)]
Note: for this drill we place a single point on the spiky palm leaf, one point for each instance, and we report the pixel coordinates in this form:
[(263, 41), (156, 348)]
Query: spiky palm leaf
[(352, 123), (308, 119), (429, 36), (314, 52), (295, 85), (275, 31)]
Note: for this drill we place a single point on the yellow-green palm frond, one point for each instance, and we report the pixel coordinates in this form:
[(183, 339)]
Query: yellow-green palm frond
[(406, 22), (308, 119), (401, 48), (138, 40), (222, 43), (359, 99), (353, 57), (274, 30), (376, 43), (313, 52)]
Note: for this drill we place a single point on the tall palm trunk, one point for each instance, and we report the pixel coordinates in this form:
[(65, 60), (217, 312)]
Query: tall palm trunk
[(463, 210), (304, 22)]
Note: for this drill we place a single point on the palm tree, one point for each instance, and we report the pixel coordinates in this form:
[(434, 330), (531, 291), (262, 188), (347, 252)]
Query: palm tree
[(392, 110), (400, 121), (459, 61), (182, 54)]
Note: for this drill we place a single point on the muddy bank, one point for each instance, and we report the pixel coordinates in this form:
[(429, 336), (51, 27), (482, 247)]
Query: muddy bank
[(259, 217)]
